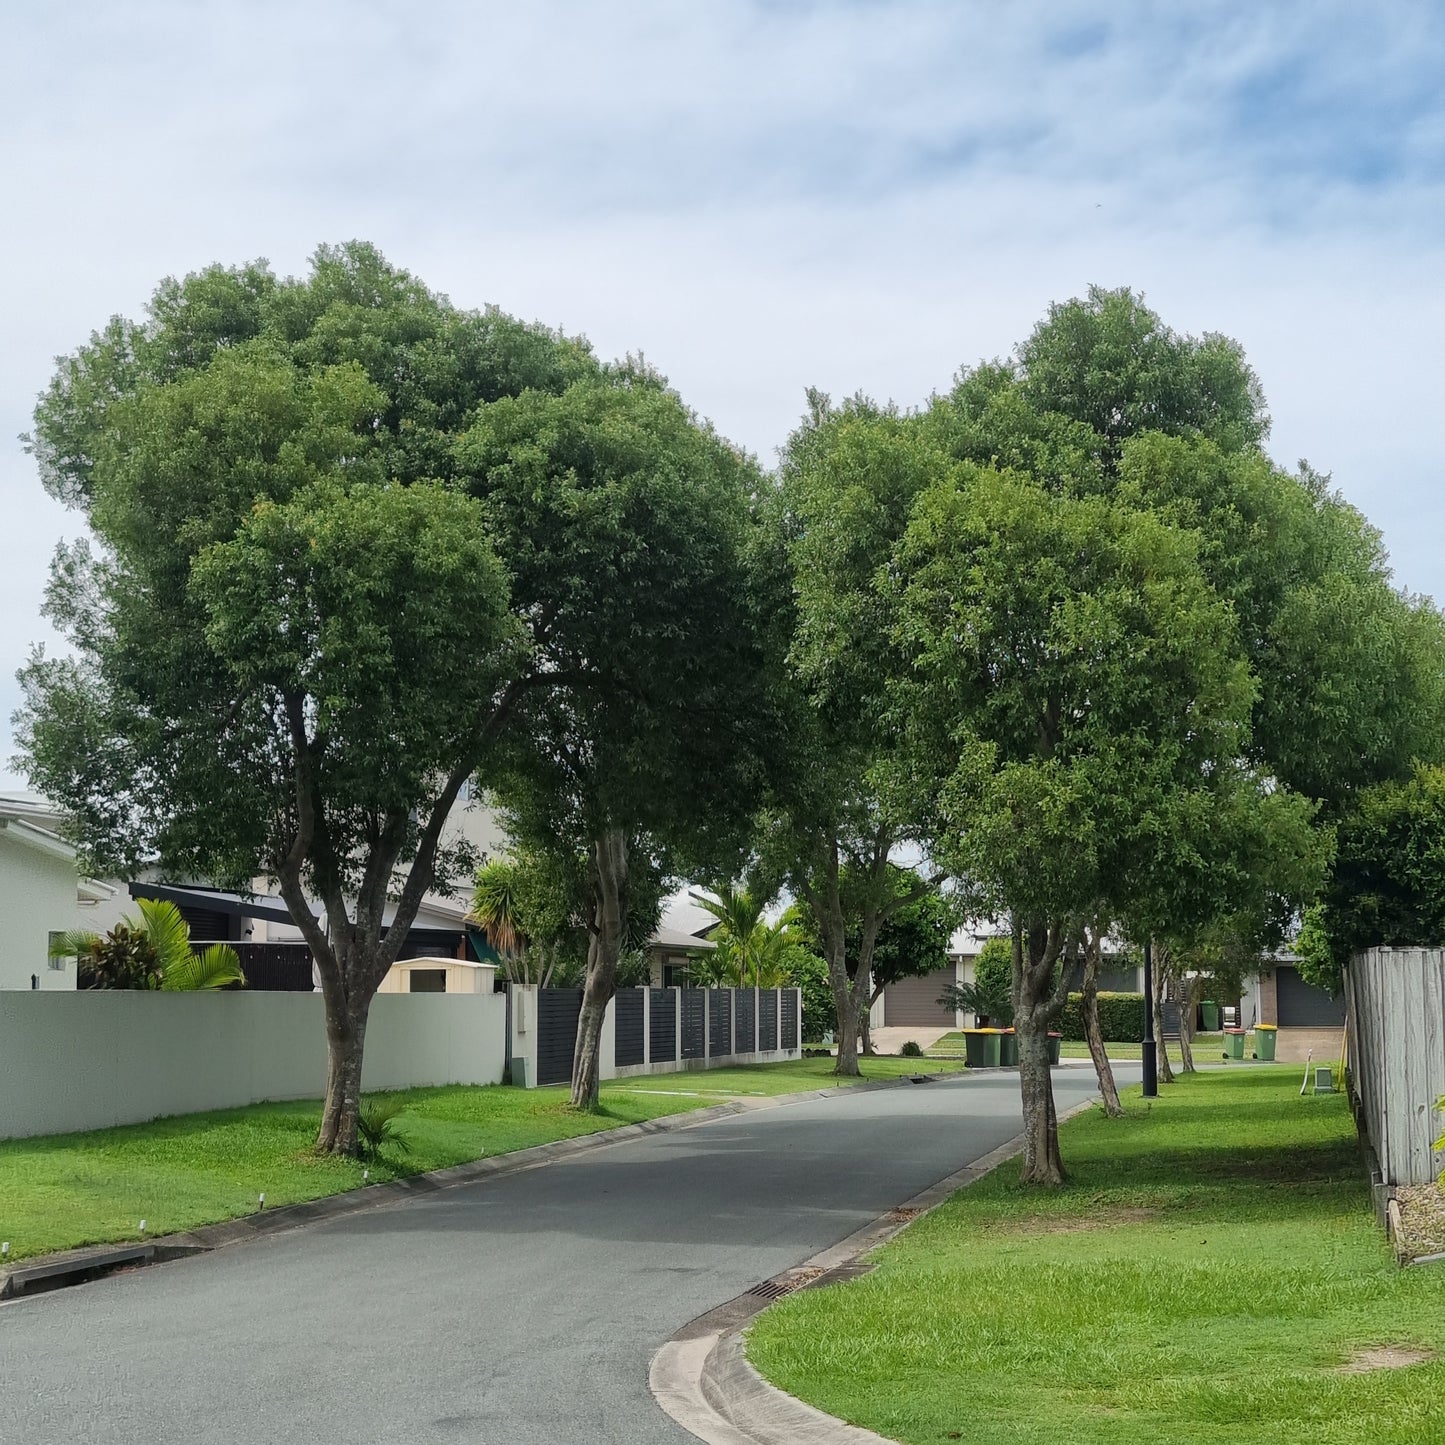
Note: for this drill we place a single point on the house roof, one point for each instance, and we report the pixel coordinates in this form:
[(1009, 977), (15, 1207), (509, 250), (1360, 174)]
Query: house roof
[(676, 938), (274, 910), (16, 825)]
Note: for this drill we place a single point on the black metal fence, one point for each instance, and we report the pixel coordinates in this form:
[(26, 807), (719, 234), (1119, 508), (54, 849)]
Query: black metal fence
[(275, 967), (669, 1025), (662, 1026), (720, 1020), (693, 1003), (557, 1012), (631, 1046)]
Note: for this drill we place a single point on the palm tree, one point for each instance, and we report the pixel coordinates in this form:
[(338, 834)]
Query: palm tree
[(496, 909), (743, 938), (149, 951)]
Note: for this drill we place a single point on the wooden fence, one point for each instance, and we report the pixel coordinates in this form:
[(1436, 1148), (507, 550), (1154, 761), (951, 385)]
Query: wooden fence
[(1396, 1002)]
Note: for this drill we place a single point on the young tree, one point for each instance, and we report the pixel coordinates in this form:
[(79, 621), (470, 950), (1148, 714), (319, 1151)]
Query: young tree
[(627, 528), (292, 647), (1071, 672)]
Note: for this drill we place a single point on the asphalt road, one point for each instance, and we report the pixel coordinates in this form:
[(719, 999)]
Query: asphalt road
[(517, 1311)]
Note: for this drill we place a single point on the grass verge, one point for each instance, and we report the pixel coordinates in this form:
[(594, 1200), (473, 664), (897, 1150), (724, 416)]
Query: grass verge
[(1209, 1269), (65, 1190)]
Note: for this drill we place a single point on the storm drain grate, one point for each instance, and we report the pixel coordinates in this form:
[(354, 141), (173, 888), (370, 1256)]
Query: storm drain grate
[(774, 1288)]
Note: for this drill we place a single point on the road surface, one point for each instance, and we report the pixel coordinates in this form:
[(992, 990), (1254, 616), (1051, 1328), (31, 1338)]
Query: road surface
[(516, 1311)]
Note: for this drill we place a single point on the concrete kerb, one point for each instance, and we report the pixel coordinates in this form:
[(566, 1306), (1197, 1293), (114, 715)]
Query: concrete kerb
[(702, 1379), (88, 1262)]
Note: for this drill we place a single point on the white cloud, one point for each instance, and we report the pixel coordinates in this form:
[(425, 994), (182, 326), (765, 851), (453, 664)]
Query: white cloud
[(760, 197)]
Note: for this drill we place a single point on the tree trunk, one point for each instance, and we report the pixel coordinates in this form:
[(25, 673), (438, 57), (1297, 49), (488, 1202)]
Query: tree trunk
[(1188, 1002), (1161, 985), (865, 1027), (1094, 1033), (1038, 999), (607, 926), (845, 1005), (345, 1043)]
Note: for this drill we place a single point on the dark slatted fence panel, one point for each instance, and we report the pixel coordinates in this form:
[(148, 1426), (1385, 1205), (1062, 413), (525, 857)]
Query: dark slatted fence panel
[(767, 1020), (662, 1029), (747, 1024), (790, 1019), (627, 1007), (694, 1022), (557, 1011), (276, 967), (720, 1021)]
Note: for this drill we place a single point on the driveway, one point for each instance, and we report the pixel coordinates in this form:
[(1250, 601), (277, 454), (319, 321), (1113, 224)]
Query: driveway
[(517, 1311)]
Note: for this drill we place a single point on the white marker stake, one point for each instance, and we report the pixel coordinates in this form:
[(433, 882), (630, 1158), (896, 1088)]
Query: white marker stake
[(261, 1202), (4, 1249), (142, 1226)]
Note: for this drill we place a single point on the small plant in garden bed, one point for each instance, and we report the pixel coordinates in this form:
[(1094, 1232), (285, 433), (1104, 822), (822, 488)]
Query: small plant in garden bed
[(376, 1128), (911, 1049)]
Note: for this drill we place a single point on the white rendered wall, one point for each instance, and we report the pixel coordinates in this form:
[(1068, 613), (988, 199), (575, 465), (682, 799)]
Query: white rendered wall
[(90, 1059), (37, 898)]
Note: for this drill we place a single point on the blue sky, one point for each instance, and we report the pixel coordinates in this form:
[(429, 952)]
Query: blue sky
[(761, 197)]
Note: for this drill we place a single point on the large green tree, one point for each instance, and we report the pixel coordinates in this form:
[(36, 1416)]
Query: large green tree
[(1072, 677), (849, 479), (294, 640), (628, 528)]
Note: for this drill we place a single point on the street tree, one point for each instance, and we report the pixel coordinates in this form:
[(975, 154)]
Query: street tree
[(627, 526), (848, 482), (1070, 671), (292, 641)]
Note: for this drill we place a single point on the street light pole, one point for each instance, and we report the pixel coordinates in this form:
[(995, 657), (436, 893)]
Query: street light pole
[(1150, 1046)]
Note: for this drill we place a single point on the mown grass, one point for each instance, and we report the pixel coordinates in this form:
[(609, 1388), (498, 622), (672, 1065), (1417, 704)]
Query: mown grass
[(1211, 1265), (791, 1077), (66, 1190)]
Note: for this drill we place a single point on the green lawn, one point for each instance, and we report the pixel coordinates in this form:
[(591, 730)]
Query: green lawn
[(1210, 1267), (66, 1190), (791, 1077)]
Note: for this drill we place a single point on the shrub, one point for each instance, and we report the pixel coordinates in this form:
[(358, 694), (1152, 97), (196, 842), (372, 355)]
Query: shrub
[(1121, 1017), (911, 1050), (376, 1128), (809, 973)]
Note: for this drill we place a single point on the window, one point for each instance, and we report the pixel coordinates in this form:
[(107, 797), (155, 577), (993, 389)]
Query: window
[(57, 964), (428, 980)]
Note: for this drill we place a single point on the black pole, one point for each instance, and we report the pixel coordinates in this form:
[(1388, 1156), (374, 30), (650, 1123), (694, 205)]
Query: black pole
[(1150, 1053)]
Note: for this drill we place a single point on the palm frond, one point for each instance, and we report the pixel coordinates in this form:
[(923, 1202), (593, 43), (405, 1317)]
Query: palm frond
[(74, 943), (169, 933), (217, 967)]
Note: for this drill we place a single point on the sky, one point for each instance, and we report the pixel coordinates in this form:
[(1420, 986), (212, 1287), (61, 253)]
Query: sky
[(759, 196)]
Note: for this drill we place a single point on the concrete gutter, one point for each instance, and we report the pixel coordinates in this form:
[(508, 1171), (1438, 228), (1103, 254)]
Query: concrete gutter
[(78, 1266), (702, 1379)]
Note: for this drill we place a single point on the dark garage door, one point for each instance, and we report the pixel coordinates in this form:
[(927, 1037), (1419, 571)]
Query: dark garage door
[(1303, 1006), (915, 1001)]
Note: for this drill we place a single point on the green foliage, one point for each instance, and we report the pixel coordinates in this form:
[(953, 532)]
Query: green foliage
[(809, 973), (376, 1127), (911, 1049), (1387, 886), (1074, 676), (993, 969), (1317, 962), (150, 949), (1121, 1017)]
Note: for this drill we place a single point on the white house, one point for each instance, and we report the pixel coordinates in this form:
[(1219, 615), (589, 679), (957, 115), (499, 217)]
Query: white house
[(41, 894)]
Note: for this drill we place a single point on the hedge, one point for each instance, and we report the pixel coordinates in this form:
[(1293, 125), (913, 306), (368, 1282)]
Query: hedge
[(1121, 1017)]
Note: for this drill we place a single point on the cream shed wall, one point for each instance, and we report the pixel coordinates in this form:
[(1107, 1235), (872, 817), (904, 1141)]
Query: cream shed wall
[(37, 898)]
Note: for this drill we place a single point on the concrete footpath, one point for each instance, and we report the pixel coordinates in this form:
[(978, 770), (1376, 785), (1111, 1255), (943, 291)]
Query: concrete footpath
[(523, 1308)]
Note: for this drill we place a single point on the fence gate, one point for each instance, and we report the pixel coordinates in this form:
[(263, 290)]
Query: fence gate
[(557, 1012)]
